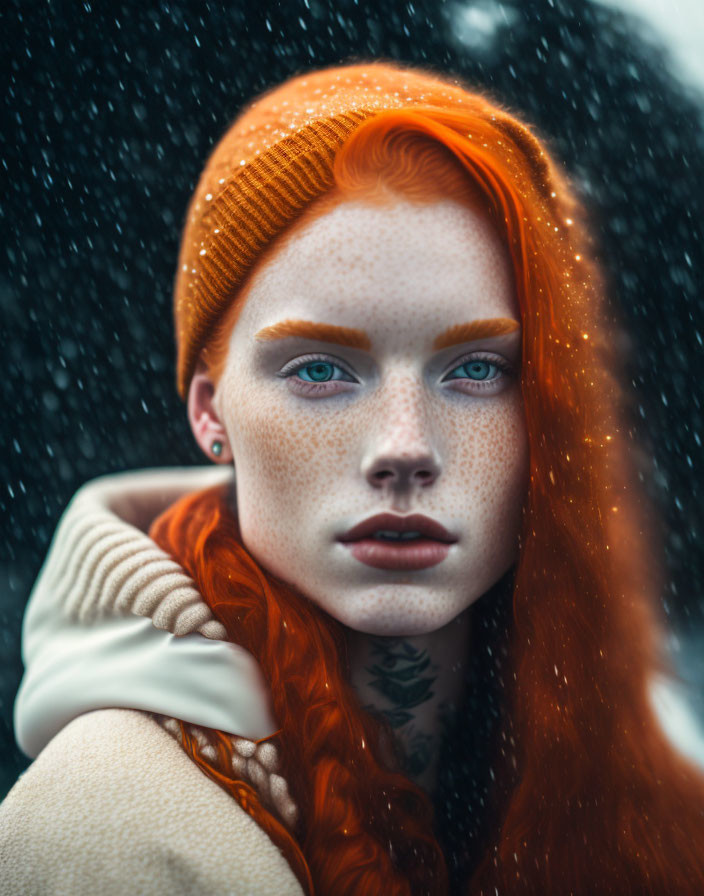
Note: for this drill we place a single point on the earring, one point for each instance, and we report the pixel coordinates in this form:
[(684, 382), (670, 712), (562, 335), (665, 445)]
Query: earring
[(216, 448)]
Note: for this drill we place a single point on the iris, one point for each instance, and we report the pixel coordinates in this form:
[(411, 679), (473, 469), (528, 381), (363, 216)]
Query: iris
[(478, 370), (321, 372)]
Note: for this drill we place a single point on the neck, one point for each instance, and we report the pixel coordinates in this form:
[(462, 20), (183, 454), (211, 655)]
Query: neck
[(417, 684)]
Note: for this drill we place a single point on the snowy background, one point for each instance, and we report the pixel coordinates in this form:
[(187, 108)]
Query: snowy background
[(109, 111)]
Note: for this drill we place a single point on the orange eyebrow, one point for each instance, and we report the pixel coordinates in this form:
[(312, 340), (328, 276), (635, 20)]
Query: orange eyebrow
[(476, 329), (324, 332), (306, 329)]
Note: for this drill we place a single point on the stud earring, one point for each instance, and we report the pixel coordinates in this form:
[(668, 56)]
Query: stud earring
[(216, 448)]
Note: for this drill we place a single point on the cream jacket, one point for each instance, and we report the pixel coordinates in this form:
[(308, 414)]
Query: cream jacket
[(116, 643)]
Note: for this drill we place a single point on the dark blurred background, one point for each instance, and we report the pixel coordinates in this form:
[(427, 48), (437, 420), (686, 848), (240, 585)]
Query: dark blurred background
[(108, 113)]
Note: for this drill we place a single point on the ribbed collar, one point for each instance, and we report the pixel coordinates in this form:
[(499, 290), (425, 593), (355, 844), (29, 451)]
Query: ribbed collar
[(113, 621)]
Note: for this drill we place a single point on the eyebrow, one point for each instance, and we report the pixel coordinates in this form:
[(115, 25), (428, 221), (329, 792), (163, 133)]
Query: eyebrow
[(476, 329), (354, 338), (309, 330)]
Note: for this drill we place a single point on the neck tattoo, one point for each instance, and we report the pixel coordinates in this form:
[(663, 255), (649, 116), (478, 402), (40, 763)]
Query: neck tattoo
[(416, 684), (402, 676)]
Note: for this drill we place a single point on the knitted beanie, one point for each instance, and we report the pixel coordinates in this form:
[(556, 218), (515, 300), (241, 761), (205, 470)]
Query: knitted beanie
[(275, 159)]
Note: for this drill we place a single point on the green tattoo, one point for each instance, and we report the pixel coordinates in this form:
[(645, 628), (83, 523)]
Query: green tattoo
[(397, 677)]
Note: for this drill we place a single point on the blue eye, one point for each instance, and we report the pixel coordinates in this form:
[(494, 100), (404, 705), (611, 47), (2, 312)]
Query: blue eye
[(478, 370), (312, 374), (320, 372), (481, 370)]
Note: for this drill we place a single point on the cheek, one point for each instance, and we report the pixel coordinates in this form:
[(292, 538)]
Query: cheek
[(493, 464), (284, 459)]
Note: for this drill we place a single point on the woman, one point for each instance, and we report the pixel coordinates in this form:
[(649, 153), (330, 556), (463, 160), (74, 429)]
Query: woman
[(432, 545)]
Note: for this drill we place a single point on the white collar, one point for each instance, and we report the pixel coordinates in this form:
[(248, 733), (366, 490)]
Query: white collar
[(113, 621)]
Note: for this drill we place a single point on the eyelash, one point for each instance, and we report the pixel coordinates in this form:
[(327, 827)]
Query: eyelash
[(306, 360), (305, 387)]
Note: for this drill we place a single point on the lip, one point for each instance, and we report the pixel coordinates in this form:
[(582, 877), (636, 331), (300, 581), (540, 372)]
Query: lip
[(418, 554), (421, 554), (414, 522)]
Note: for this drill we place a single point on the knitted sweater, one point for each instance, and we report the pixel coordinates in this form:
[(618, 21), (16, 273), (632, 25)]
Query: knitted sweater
[(114, 806), (117, 642)]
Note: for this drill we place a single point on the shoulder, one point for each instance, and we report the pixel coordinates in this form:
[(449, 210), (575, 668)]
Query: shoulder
[(112, 801)]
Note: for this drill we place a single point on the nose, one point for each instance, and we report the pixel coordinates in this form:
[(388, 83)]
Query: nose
[(403, 472), (403, 454)]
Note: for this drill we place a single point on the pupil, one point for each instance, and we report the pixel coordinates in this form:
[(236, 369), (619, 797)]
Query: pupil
[(319, 372), (478, 370)]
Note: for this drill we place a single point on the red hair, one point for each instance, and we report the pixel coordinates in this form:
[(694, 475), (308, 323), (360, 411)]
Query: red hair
[(590, 794)]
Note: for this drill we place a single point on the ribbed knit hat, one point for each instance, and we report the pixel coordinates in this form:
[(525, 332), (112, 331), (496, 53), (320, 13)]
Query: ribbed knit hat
[(275, 159)]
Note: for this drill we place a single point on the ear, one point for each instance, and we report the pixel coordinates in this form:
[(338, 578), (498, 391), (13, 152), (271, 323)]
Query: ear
[(205, 423)]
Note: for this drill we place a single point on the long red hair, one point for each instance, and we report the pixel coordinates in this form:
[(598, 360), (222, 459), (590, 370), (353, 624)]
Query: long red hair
[(585, 791)]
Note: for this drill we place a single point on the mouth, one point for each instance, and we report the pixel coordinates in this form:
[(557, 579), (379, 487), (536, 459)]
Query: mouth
[(389, 541)]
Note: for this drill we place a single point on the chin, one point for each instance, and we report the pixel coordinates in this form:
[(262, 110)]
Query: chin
[(397, 629), (397, 622)]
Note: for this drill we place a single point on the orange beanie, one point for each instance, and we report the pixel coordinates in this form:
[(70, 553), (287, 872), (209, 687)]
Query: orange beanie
[(275, 159)]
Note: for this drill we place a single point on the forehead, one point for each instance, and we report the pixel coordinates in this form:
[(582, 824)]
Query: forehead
[(389, 267)]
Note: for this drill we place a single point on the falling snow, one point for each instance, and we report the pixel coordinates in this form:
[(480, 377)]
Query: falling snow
[(109, 113)]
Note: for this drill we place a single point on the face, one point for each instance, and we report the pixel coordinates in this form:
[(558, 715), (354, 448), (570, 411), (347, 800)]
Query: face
[(391, 407)]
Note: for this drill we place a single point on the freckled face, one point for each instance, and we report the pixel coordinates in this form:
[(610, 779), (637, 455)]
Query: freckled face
[(326, 435)]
